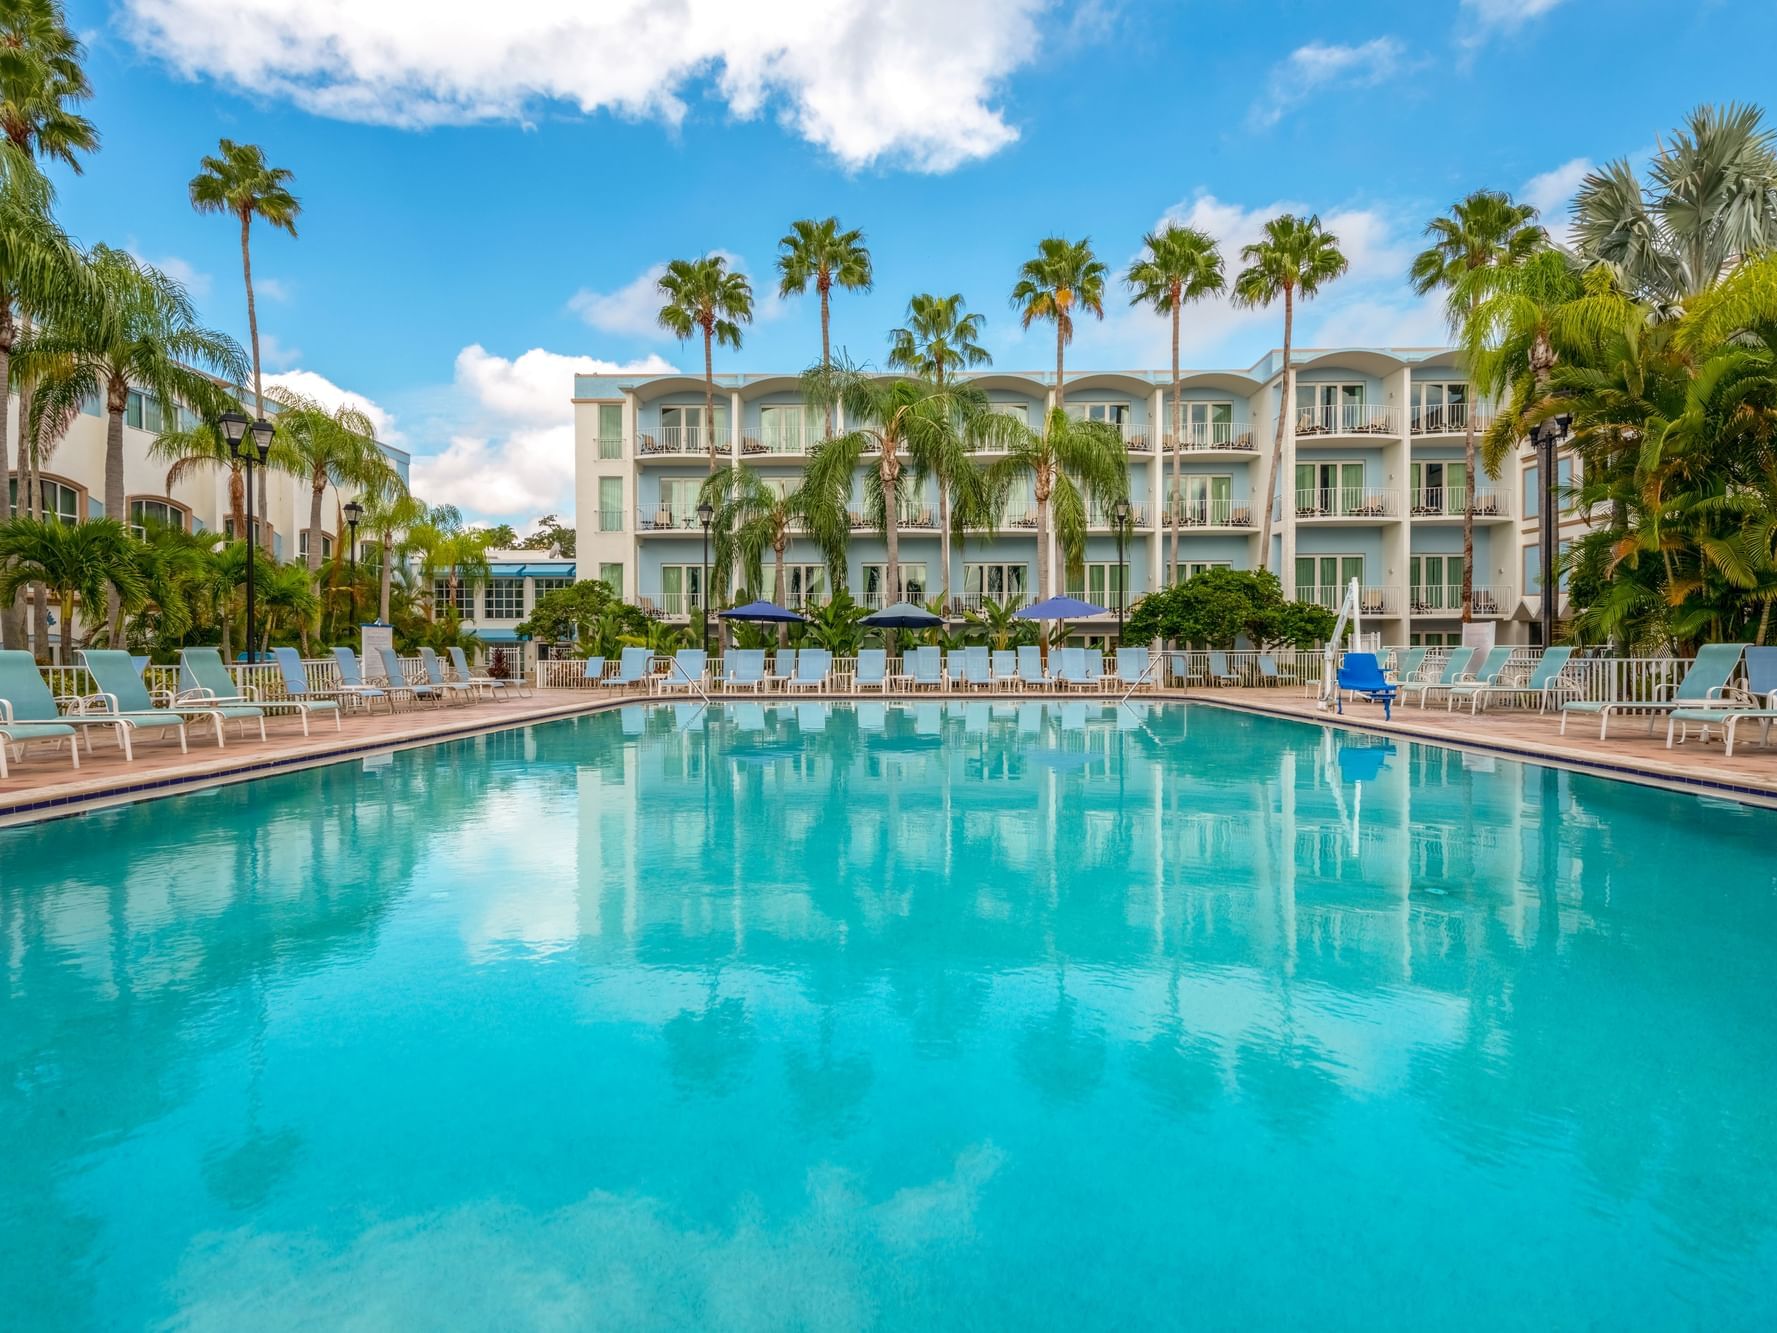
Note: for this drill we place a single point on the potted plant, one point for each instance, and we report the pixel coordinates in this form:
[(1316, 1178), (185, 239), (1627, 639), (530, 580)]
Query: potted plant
[(499, 668)]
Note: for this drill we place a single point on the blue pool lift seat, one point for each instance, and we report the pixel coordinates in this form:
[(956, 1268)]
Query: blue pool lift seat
[(1361, 674)]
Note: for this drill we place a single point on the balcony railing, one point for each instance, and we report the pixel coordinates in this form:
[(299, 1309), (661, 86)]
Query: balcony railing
[(610, 520), (671, 605), (610, 446), (794, 439), (1345, 419), (1200, 435), (1449, 419), (1436, 599), (1101, 518), (679, 440), (974, 601), (1136, 439), (1372, 601), (1202, 513), (1346, 502), (1450, 501), (875, 601), (667, 518), (1019, 514)]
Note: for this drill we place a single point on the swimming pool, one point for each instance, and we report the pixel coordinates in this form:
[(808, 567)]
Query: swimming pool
[(979, 1013)]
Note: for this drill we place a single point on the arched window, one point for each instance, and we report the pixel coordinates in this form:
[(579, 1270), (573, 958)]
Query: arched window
[(60, 500), (153, 512)]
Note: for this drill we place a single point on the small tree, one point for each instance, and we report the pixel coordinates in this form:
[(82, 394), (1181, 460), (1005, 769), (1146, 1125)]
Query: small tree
[(1220, 606)]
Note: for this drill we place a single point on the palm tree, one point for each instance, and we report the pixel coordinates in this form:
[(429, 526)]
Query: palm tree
[(820, 253), (450, 549), (326, 447), (1180, 265), (86, 562), (754, 516), (1070, 463), (940, 338), (702, 295), (1064, 277), (1295, 258), (1484, 230), (289, 603), (390, 512), (40, 81), (187, 450)]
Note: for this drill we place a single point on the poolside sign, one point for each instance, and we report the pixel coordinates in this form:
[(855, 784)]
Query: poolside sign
[(372, 637), (1479, 634)]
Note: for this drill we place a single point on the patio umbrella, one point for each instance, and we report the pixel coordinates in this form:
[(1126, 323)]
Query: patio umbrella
[(765, 611), (902, 615), (1057, 608)]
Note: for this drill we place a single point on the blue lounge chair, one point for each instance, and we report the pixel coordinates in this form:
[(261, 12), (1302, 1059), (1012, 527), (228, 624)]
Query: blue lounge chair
[(812, 668), (1003, 664), (744, 669), (352, 682), (1756, 702), (1454, 666), (633, 668), (495, 686), (1362, 675), (202, 677), (783, 666), (925, 667), (872, 671), (1095, 668), (1703, 684), (1132, 667), (447, 688), (1545, 683), (1268, 672), (398, 681), (29, 714), (1470, 685), (1072, 670), (1406, 665), (977, 668), (595, 669), (121, 694), (298, 688), (684, 672), (1030, 667), (1220, 673)]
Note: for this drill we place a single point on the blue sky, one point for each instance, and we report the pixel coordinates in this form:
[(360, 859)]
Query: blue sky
[(486, 188)]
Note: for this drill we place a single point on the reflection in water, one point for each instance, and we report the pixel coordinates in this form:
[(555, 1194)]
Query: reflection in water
[(758, 1014)]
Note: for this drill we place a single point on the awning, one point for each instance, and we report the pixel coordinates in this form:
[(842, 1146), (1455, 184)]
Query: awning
[(496, 635), (532, 570)]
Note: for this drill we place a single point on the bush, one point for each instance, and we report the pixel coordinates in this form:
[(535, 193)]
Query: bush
[(1219, 606)]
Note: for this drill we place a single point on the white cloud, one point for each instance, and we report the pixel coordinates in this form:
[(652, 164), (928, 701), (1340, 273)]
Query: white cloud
[(1507, 14), (632, 310), (1552, 191), (514, 459), (312, 384), (271, 289), (1310, 68), (908, 82), (275, 354), (195, 281)]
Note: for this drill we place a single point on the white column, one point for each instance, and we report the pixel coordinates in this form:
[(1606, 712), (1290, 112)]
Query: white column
[(734, 424), (1157, 490)]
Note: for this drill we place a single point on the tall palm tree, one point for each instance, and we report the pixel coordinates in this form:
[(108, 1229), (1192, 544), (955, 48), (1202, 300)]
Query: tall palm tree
[(1069, 464), (1295, 259), (41, 81), (1065, 277), (1179, 265), (449, 549), (188, 450), (703, 295), (89, 562), (754, 516), (390, 513), (238, 181), (1484, 230), (327, 447), (820, 253), (941, 337)]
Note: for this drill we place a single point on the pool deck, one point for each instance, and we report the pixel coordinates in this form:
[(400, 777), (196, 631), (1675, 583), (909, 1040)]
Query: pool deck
[(45, 785)]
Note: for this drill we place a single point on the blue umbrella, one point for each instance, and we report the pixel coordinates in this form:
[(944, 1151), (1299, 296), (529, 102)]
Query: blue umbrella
[(903, 615), (1059, 608), (767, 611)]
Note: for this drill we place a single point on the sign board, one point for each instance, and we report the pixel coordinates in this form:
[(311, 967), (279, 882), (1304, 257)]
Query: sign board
[(370, 638), (1479, 634)]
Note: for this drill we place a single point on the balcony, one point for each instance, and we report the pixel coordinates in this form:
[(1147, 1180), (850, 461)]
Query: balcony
[(1446, 600), (784, 439), (1372, 601), (678, 441), (1190, 514), (669, 605), (915, 518), (1019, 514), (1100, 520), (1136, 439), (1448, 502), (667, 518), (1214, 437), (1338, 421), (974, 601), (1449, 419), (1361, 503)]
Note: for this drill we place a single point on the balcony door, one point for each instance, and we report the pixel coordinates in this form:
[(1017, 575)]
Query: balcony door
[(1323, 578), (1205, 500), (1437, 583), (1208, 424), (1440, 488), (1329, 488)]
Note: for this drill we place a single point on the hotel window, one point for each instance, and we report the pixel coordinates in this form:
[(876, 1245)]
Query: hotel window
[(1563, 485), (59, 502), (503, 599), (1329, 407), (1533, 569), (146, 514), (996, 582), (1098, 581), (91, 405), (1201, 501), (677, 507), (611, 575), (681, 429), (610, 504), (1206, 425), (1436, 583), (142, 411), (679, 589), (1017, 411), (1533, 491), (1323, 579), (1330, 489), (610, 426), (912, 589), (1190, 569), (302, 545), (804, 585), (788, 429), (1439, 488), (1440, 407), (464, 604), (1111, 414), (542, 587), (259, 530)]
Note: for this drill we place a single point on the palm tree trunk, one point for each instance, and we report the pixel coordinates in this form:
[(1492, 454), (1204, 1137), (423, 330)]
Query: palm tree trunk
[(13, 619), (1468, 519), (116, 395), (12, 625), (1042, 497), (385, 579), (826, 346), (944, 540), (64, 651), (316, 495), (1286, 405), (265, 527), (777, 593), (1177, 443), (237, 500), (709, 399), (252, 314), (891, 521), (1060, 344)]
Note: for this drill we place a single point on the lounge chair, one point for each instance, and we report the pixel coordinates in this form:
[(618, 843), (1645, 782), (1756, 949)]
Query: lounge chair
[(1545, 683), (122, 695), (1178, 668), (1361, 674), (1004, 665), (1459, 661), (495, 686), (203, 678), (1703, 684), (1268, 672), (872, 671), (1220, 673), (1072, 670), (684, 672), (1030, 667), (464, 689), (1095, 668), (29, 713), (633, 668), (1485, 677), (977, 668), (595, 669), (352, 682), (812, 668), (1406, 665), (925, 667), (744, 669), (1132, 667), (783, 666), (1757, 702), (398, 681), (300, 689)]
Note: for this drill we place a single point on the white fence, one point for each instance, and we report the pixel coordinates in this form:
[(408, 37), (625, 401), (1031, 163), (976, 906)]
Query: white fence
[(264, 678)]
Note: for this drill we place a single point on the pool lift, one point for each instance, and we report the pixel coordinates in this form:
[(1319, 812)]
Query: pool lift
[(1349, 614)]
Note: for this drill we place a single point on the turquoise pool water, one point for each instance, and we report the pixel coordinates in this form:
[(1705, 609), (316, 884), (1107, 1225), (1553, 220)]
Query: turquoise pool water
[(983, 1015)]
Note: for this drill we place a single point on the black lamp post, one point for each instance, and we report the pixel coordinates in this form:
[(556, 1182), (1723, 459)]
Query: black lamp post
[(1120, 516), (705, 514), (1547, 437), (250, 442), (354, 516)]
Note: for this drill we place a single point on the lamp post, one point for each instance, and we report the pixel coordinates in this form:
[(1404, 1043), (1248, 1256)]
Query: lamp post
[(354, 516), (1547, 437), (705, 514), (251, 443), (1120, 516)]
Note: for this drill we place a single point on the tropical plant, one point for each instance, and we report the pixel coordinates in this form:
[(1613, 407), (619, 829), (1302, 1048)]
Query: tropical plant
[(997, 622), (1179, 265), (1295, 259), (41, 82), (940, 338), (450, 551), (390, 513), (551, 536), (1063, 278), (328, 447), (819, 252), (754, 515), (89, 563), (1484, 230), (703, 296), (580, 612), (1070, 464), (837, 625), (1217, 607)]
